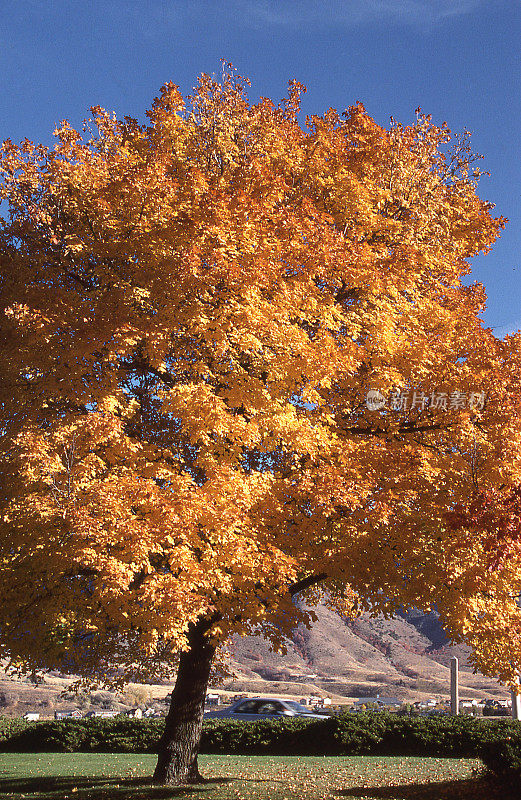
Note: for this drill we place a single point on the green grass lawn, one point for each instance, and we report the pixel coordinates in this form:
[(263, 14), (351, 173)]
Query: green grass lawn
[(96, 776)]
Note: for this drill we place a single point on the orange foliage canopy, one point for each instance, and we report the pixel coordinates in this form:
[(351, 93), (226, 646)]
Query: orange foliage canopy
[(193, 313)]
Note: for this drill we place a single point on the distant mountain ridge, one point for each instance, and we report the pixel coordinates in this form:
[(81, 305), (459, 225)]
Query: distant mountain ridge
[(406, 656)]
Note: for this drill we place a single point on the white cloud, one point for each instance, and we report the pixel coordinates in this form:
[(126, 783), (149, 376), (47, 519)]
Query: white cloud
[(346, 13), (289, 14)]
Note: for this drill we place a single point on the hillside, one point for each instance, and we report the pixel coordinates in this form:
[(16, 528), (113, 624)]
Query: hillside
[(406, 656)]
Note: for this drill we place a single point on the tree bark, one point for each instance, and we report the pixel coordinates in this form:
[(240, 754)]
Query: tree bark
[(179, 745)]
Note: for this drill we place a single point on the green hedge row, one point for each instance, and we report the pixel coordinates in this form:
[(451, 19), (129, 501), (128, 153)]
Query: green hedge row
[(10, 726), (362, 734), (349, 734), (118, 735)]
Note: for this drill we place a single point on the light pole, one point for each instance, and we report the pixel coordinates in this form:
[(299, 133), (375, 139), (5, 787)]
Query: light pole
[(516, 705), (454, 688)]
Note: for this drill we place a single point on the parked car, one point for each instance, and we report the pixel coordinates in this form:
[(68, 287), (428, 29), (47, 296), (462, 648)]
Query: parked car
[(253, 708)]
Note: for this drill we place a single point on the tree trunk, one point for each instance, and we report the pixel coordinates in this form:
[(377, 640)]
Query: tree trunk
[(179, 745)]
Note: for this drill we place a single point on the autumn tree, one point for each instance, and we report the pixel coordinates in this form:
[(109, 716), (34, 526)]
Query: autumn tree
[(194, 312), (492, 515)]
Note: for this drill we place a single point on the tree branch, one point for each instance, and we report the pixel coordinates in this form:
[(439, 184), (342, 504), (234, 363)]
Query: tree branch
[(305, 583), (407, 427)]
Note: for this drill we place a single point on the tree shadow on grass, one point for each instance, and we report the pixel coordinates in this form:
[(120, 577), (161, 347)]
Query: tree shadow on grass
[(468, 789), (84, 788)]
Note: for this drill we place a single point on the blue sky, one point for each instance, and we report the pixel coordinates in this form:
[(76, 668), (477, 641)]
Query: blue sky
[(457, 59)]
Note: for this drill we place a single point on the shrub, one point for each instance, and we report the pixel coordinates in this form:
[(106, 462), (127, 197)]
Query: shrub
[(347, 734), (10, 726), (358, 734), (119, 735), (503, 759), (275, 737)]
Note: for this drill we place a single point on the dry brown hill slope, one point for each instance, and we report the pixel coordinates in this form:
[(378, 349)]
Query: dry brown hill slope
[(407, 656)]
